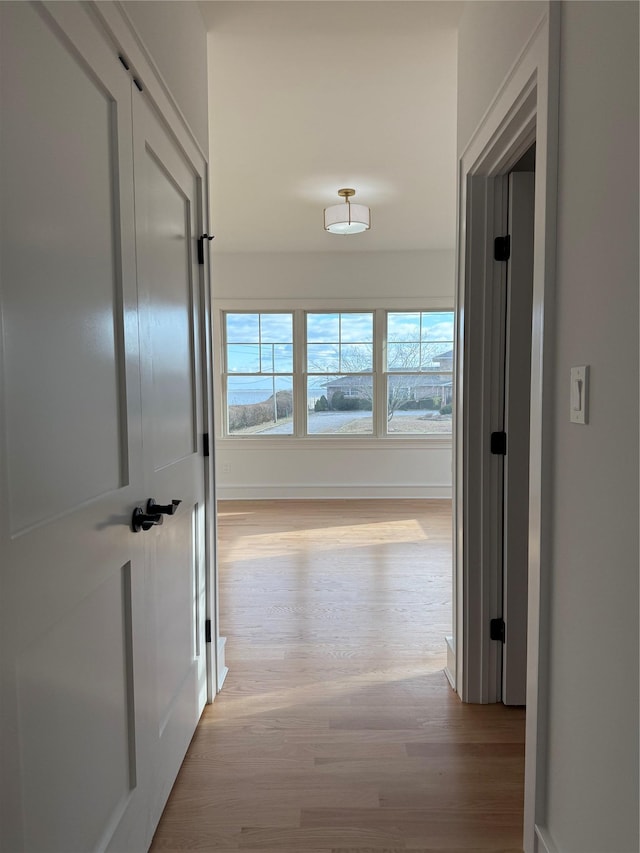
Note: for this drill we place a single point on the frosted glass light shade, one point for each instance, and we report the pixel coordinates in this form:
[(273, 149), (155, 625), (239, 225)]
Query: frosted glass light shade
[(347, 218)]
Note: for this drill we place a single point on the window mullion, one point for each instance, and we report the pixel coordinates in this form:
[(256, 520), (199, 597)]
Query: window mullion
[(299, 374), (224, 423), (379, 379)]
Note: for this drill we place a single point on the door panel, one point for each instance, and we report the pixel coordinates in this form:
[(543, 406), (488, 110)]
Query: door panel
[(73, 768), (167, 257), (167, 221), (84, 691), (175, 577), (59, 251)]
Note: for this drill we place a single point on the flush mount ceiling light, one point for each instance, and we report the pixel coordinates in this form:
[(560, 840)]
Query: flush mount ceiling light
[(347, 218)]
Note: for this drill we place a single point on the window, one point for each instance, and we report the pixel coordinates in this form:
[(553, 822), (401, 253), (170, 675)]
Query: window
[(259, 373), (419, 371), (340, 373), (339, 357)]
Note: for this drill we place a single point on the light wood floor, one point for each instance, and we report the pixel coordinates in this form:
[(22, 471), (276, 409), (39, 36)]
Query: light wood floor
[(337, 731)]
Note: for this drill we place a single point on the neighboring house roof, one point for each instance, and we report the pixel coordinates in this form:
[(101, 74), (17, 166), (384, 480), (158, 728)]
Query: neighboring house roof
[(354, 381), (429, 381), (424, 380), (444, 360), (350, 381)]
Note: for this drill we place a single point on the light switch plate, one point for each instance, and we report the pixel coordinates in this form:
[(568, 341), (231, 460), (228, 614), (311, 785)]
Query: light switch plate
[(579, 395)]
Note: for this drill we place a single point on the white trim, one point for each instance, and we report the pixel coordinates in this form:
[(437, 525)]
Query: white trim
[(260, 492), (115, 19), (542, 382), (334, 303), (298, 309), (305, 443), (215, 666), (450, 668), (505, 131), (488, 124), (222, 668), (543, 842)]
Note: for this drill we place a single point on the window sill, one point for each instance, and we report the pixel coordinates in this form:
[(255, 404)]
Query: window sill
[(356, 442)]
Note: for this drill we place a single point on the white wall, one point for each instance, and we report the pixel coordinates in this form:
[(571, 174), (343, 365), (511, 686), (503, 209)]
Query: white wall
[(491, 35), (593, 714), (348, 275), (333, 467), (592, 747), (174, 33)]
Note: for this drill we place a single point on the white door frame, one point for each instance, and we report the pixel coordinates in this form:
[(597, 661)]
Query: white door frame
[(524, 110)]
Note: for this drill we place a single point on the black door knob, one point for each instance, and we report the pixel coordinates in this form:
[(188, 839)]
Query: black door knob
[(140, 520), (165, 509)]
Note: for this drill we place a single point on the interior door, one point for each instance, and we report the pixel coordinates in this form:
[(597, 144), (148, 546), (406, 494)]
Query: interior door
[(73, 764), (168, 221), (516, 417)]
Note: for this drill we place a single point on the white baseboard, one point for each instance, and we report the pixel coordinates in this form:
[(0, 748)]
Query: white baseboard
[(543, 842), (223, 669), (450, 668), (301, 492)]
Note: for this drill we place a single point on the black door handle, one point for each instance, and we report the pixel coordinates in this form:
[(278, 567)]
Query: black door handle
[(165, 509), (140, 520)]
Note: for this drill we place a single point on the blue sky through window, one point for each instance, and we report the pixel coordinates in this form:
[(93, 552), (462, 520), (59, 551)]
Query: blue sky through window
[(417, 339), (339, 342), (259, 343), (259, 366), (425, 326), (336, 328)]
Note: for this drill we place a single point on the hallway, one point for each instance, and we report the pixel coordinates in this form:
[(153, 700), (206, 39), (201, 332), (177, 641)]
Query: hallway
[(336, 730)]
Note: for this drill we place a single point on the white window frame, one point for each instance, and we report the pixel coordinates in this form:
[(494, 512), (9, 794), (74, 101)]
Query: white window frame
[(375, 318), (225, 371), (386, 373), (299, 308)]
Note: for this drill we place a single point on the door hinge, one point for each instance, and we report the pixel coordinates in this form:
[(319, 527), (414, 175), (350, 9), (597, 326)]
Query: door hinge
[(502, 248), (207, 630), (127, 67), (201, 240), (497, 630), (205, 444), (499, 443)]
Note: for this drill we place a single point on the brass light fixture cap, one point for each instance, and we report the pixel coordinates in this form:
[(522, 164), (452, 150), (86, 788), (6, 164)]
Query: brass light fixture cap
[(346, 193)]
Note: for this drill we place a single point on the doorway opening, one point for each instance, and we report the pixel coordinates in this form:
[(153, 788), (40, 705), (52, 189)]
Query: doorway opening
[(523, 112)]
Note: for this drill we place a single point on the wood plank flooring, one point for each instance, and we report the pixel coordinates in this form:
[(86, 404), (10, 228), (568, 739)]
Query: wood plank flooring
[(336, 730)]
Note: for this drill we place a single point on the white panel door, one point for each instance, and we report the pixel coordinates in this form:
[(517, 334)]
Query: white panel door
[(516, 419), (74, 692), (168, 215)]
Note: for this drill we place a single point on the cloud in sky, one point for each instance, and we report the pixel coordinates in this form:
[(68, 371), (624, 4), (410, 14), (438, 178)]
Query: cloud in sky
[(340, 327), (253, 328), (263, 342), (425, 325)]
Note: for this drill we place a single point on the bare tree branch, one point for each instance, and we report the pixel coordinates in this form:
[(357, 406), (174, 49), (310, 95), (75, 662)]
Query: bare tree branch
[(408, 366)]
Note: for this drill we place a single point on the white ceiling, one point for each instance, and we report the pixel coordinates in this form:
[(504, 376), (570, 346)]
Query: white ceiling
[(307, 96)]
